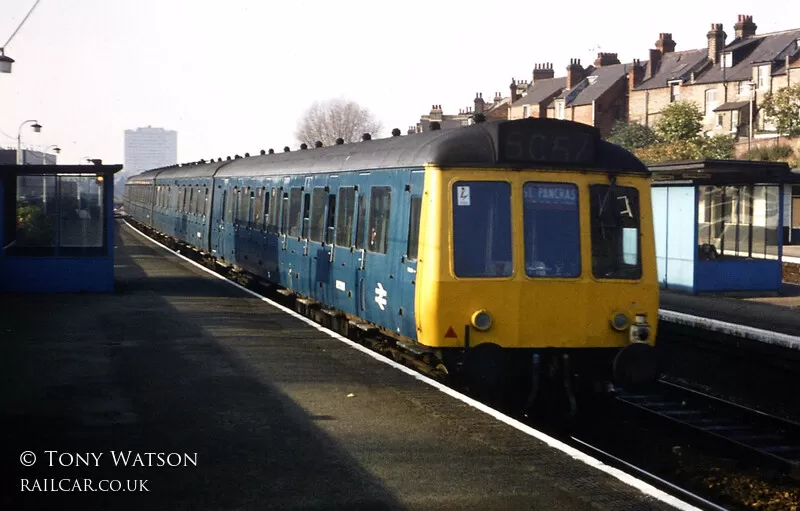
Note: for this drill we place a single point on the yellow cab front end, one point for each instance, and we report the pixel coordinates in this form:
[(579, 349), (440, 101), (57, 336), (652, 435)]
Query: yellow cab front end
[(515, 262)]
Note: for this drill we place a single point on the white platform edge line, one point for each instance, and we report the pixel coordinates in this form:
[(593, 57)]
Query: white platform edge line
[(790, 259), (733, 329), (552, 442)]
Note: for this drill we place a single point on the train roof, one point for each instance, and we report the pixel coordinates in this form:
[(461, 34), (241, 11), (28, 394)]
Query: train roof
[(470, 146)]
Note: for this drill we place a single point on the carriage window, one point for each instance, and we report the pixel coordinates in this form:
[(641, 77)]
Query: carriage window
[(615, 232), (330, 234), (251, 208), (206, 202), (552, 230), (243, 207), (362, 214), (344, 222), (482, 229), (225, 210), (232, 204), (413, 227), (295, 220), (185, 201), (275, 209), (264, 217), (318, 200), (380, 207), (306, 214)]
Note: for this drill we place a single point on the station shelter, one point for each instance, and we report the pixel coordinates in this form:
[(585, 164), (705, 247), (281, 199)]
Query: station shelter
[(719, 224), (57, 228)]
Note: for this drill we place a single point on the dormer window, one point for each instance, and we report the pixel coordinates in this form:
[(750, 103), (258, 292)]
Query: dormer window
[(727, 59), (591, 79), (559, 109)]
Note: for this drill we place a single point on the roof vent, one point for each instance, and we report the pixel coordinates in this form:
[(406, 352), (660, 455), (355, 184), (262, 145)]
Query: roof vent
[(339, 141), (263, 152), (318, 143), (271, 151), (396, 132), (246, 155), (366, 136), (303, 147), (228, 158), (286, 149)]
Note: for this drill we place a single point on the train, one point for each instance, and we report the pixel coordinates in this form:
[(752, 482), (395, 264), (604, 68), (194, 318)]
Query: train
[(516, 254)]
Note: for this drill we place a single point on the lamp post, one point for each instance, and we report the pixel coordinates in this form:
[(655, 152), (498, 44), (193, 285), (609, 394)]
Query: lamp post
[(55, 149), (5, 62), (752, 86), (36, 128), (44, 176)]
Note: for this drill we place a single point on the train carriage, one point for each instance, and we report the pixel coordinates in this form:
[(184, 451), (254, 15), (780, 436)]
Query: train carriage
[(504, 247)]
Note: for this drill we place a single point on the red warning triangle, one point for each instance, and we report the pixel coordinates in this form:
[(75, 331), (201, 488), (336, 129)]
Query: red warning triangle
[(451, 334)]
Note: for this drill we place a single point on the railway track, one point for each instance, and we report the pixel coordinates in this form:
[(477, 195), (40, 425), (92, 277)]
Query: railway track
[(756, 435)]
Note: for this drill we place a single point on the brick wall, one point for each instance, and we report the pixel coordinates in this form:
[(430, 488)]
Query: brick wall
[(610, 104)]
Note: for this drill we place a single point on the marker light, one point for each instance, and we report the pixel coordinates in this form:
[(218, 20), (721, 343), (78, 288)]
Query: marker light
[(482, 320), (620, 322)]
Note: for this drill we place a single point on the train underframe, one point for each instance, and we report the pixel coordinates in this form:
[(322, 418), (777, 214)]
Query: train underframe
[(534, 381)]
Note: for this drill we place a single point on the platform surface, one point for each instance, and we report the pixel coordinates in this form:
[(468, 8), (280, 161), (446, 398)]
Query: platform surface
[(277, 414)]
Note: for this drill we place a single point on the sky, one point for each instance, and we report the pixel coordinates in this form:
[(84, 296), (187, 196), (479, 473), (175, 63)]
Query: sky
[(235, 76)]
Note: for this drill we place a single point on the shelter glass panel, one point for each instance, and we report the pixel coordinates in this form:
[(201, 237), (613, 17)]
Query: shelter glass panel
[(58, 216)]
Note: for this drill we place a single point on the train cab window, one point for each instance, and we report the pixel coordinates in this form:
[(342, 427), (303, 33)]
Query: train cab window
[(615, 229), (318, 199), (295, 220), (413, 227), (482, 229), (380, 207), (362, 216), (330, 226), (344, 221), (551, 230)]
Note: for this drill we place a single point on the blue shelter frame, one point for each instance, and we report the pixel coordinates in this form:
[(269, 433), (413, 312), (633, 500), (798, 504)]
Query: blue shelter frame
[(719, 224), (57, 228)]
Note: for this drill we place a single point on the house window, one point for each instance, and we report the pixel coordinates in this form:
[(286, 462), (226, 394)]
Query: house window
[(524, 112), (727, 59), (763, 73), (711, 101), (559, 109), (674, 92), (720, 119), (734, 121)]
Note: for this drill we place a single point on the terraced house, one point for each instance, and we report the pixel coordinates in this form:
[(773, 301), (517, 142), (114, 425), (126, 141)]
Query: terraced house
[(596, 95), (727, 80)]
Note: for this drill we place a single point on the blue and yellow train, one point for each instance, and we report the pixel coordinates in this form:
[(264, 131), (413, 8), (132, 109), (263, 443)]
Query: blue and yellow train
[(511, 250)]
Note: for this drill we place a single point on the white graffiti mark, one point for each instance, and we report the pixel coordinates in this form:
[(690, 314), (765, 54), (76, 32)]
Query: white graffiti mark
[(380, 296)]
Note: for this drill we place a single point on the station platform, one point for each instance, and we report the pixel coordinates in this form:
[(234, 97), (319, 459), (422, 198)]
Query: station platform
[(772, 319), (260, 409)]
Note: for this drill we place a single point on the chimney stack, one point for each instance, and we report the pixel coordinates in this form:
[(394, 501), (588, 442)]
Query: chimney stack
[(514, 94), (745, 27), (575, 73), (606, 59), (653, 64), (497, 98), (635, 74), (542, 72), (479, 102), (665, 44), (716, 42)]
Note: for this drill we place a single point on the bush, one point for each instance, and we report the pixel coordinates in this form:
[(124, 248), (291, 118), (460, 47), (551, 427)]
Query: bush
[(771, 153)]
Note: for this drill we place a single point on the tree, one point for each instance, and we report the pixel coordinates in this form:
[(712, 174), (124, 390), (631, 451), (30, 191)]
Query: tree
[(784, 108), (336, 118), (681, 120), (719, 147), (632, 135)]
